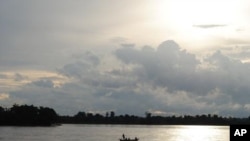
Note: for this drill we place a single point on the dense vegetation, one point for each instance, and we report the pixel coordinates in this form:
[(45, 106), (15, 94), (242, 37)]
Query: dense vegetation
[(25, 115), (29, 115), (110, 118)]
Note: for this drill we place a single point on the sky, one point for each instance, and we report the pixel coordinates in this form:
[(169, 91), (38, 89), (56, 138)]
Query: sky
[(167, 57)]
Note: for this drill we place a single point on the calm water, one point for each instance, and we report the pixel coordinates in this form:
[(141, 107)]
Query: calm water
[(69, 132)]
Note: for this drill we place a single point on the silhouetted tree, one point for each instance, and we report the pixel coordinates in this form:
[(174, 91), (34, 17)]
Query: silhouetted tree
[(107, 114), (80, 117), (148, 115), (112, 114), (27, 115)]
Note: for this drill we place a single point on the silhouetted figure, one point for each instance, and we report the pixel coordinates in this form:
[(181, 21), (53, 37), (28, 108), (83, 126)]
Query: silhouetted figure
[(123, 136)]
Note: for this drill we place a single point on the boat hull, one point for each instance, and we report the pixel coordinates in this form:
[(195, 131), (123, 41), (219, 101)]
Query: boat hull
[(129, 139)]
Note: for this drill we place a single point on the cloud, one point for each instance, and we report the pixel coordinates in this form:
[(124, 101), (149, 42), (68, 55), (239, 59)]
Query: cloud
[(206, 26), (19, 77), (4, 96), (165, 79), (46, 83), (168, 66), (70, 59), (3, 76), (118, 40), (88, 56), (178, 71)]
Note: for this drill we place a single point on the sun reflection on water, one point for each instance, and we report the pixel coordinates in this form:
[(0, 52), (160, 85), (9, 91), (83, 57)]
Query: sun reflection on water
[(199, 133)]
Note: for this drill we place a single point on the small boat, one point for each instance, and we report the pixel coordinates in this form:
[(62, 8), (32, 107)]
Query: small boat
[(128, 139)]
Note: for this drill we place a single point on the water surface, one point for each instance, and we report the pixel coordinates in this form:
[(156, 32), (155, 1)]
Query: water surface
[(71, 132)]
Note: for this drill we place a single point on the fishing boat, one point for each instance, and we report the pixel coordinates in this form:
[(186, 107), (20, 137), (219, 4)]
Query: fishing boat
[(128, 139)]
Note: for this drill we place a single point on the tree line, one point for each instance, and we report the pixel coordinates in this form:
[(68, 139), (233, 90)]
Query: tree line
[(149, 119), (29, 115)]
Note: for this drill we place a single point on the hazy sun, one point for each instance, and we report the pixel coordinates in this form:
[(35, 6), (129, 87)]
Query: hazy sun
[(198, 20), (186, 13)]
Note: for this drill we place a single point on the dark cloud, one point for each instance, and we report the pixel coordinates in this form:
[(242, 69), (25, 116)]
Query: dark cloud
[(206, 26), (177, 70), (168, 66), (167, 79), (84, 65), (43, 83)]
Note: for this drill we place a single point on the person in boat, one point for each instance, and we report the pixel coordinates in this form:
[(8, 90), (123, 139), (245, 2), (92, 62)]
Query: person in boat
[(123, 136), (128, 139)]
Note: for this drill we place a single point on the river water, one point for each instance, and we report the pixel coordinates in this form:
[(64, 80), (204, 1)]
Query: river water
[(72, 132)]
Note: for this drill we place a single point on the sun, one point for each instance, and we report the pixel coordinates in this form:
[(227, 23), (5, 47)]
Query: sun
[(198, 21), (186, 13)]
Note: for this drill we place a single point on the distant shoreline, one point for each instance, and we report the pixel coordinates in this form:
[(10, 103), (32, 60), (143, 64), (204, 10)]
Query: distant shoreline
[(29, 115)]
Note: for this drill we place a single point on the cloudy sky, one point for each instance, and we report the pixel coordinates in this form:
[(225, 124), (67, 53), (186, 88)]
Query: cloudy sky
[(162, 56)]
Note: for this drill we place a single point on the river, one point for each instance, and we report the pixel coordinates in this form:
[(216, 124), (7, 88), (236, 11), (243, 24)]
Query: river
[(83, 132)]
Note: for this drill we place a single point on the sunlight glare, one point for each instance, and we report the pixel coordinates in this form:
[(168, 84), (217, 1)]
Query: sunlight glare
[(198, 21), (195, 12), (199, 133)]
